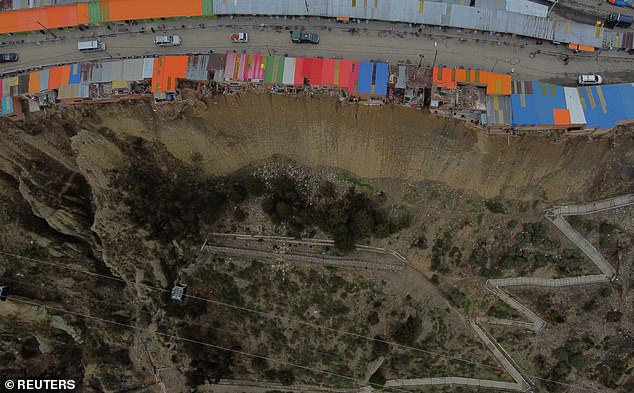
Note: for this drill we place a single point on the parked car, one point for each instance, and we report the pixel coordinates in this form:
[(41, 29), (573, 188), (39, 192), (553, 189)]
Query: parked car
[(590, 80), (240, 37), (91, 46), (299, 37), (618, 20), (167, 40), (8, 57)]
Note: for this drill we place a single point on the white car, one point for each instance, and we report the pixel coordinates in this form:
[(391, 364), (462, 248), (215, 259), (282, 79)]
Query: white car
[(590, 80), (240, 37), (167, 40)]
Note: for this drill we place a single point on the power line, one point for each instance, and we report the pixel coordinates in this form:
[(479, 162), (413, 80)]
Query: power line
[(244, 353), (271, 315), (126, 306)]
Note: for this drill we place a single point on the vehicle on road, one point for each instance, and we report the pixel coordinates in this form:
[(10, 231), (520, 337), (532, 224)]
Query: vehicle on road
[(91, 46), (8, 57), (299, 37), (590, 79), (167, 40), (240, 37), (618, 20)]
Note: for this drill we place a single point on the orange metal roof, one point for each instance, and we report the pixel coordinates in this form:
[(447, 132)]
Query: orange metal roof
[(55, 78), (561, 116), (167, 70), (34, 82), (497, 84), (145, 9), (48, 17)]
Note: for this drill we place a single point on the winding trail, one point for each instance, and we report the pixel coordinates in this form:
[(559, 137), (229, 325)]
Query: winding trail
[(556, 216), (522, 381)]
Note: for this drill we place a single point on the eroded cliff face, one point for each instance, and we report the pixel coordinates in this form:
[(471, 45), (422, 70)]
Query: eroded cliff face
[(387, 142), (58, 196)]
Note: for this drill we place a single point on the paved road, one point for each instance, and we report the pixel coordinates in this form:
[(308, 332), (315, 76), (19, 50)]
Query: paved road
[(372, 42)]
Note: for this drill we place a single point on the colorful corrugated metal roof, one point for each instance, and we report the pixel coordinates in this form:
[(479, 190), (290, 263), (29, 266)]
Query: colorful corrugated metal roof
[(7, 105), (166, 71), (448, 78), (603, 106), (39, 18)]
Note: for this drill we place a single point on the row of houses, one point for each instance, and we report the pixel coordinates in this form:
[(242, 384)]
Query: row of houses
[(518, 17), (486, 99)]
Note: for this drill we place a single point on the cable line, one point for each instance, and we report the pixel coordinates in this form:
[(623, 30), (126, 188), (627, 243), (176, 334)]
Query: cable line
[(239, 352)]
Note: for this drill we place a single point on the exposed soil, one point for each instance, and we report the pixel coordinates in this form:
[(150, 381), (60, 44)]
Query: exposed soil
[(60, 203), (388, 142)]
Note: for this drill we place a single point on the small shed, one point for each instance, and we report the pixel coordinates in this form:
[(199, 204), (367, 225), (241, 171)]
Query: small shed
[(178, 292)]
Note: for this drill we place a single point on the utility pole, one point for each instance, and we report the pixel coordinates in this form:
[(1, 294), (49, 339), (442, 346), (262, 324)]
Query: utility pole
[(435, 55), (46, 28), (496, 63), (551, 8)]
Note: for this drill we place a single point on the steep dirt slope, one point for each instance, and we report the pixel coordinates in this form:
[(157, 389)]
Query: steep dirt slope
[(58, 201), (389, 142)]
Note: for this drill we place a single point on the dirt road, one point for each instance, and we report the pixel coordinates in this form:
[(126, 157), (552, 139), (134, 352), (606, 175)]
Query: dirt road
[(477, 50)]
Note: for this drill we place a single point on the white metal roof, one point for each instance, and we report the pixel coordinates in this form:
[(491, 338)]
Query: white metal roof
[(430, 13)]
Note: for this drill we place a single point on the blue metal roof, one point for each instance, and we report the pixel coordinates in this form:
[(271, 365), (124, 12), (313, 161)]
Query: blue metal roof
[(380, 79), (537, 107), (366, 70), (605, 105), (75, 74), (7, 105)]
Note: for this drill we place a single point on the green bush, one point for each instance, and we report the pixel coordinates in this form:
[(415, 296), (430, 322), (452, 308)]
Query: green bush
[(495, 207), (533, 232), (606, 292), (350, 218), (380, 347), (606, 228), (408, 331), (499, 309), (511, 224), (479, 257), (378, 378)]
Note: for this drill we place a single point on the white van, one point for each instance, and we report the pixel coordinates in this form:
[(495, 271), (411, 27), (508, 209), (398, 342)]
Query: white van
[(167, 40), (91, 46)]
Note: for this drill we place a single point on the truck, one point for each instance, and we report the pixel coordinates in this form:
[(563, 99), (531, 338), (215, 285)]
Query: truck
[(621, 3), (167, 40), (299, 37), (618, 20), (240, 37), (91, 46)]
